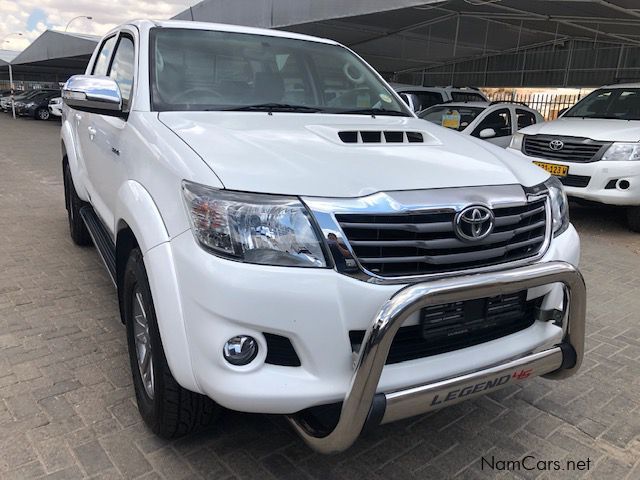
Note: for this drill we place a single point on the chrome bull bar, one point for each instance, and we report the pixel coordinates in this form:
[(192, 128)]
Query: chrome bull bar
[(362, 407)]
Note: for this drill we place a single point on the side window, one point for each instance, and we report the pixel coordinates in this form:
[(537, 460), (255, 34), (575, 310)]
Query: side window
[(525, 118), (466, 97), (102, 61), (122, 68), (500, 121)]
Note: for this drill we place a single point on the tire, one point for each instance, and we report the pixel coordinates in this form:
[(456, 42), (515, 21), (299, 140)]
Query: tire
[(77, 229), (633, 218), (42, 114), (168, 409)]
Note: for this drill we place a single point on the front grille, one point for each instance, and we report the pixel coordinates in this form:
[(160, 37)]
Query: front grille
[(575, 180), (400, 244), (454, 326), (575, 149)]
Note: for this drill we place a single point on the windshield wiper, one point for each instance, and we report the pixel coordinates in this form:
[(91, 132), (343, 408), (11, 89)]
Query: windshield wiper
[(372, 111), (271, 107)]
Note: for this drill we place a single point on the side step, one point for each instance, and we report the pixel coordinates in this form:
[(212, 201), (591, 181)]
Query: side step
[(102, 240)]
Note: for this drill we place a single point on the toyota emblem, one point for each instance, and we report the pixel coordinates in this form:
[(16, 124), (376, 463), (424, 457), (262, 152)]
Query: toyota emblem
[(556, 144), (474, 223)]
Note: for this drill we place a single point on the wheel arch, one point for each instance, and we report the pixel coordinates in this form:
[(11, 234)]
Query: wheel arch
[(140, 224)]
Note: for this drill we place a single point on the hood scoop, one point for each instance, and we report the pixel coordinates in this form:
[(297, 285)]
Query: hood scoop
[(371, 136), (380, 136)]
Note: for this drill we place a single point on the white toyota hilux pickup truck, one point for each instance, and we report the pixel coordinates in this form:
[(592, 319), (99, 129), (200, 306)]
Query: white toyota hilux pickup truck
[(286, 237), (593, 148)]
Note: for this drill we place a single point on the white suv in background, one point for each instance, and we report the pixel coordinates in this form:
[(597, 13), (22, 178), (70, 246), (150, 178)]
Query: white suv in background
[(593, 148), (495, 122), (418, 98)]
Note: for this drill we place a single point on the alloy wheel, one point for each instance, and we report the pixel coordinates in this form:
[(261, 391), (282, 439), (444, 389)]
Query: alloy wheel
[(143, 342)]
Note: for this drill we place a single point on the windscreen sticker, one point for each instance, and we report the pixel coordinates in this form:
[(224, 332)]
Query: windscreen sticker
[(451, 119)]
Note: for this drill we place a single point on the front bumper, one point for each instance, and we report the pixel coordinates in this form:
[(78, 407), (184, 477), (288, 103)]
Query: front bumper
[(202, 301), (362, 406), (601, 174)]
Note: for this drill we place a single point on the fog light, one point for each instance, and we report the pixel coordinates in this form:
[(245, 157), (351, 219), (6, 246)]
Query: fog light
[(240, 350), (623, 184)]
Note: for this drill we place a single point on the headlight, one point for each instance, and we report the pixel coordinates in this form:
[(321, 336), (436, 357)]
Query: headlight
[(516, 141), (622, 151), (559, 205), (253, 228)]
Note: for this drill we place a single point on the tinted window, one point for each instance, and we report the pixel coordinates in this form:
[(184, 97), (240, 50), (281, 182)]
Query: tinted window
[(616, 103), (102, 62), (467, 97), (213, 70), (525, 118), (122, 68), (422, 100), (454, 117), (500, 121)]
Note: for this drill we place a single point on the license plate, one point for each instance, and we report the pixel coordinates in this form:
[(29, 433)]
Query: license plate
[(554, 169)]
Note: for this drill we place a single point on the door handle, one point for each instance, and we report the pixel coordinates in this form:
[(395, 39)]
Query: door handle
[(78, 117), (92, 132)]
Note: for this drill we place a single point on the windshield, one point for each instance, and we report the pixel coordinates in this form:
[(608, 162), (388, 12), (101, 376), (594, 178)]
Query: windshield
[(455, 117), (212, 70), (467, 97), (421, 99), (615, 103)]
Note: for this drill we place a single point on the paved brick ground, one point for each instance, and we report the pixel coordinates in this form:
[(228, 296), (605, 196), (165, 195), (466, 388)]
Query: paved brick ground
[(67, 408)]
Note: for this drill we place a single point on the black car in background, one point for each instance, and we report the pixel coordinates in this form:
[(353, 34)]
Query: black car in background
[(23, 96), (36, 106)]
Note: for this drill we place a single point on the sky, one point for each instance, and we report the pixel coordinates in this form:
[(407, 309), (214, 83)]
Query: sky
[(32, 17)]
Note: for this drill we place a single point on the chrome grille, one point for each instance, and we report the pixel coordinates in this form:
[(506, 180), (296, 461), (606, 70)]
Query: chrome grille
[(575, 149), (405, 244)]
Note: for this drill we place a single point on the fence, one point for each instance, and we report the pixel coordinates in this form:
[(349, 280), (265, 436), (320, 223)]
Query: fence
[(548, 104)]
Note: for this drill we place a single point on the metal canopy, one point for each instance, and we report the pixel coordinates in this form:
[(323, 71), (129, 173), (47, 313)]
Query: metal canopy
[(54, 56), (418, 41)]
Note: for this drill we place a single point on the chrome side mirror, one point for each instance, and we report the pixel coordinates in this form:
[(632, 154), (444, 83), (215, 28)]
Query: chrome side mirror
[(487, 133), (94, 94)]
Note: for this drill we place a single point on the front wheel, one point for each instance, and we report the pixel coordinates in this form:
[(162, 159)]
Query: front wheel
[(168, 409), (42, 114), (633, 218)]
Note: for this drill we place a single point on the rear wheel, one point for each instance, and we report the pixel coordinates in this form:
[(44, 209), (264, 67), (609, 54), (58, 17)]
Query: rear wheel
[(633, 218), (168, 409), (43, 114), (77, 229)]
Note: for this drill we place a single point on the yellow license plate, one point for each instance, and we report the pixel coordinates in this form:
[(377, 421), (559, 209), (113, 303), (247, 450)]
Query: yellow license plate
[(553, 169)]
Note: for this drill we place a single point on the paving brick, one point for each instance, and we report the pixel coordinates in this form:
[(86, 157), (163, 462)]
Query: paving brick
[(125, 456), (92, 457)]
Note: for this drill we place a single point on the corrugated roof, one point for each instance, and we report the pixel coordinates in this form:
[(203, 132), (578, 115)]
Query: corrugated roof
[(398, 36), (52, 45)]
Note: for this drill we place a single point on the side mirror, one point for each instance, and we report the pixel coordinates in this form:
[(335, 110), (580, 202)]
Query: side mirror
[(487, 133), (95, 94)]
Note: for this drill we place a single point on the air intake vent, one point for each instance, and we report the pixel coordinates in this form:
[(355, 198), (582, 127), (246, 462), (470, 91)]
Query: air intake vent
[(376, 136)]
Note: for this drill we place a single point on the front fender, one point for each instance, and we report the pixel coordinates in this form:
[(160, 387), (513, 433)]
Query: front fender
[(78, 171), (136, 209)]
